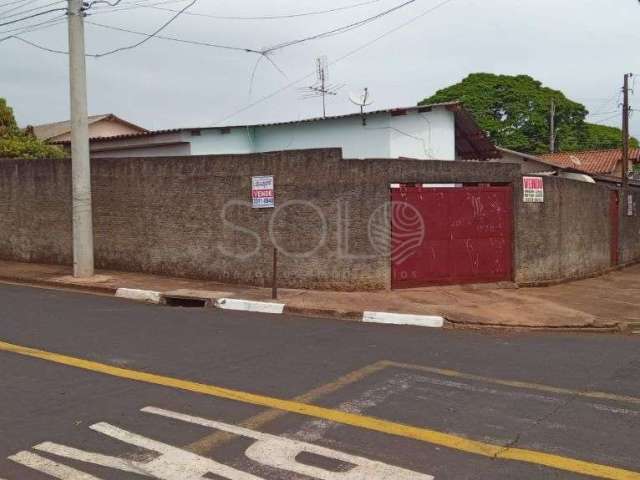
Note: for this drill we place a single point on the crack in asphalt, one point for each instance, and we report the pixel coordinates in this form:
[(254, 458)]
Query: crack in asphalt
[(572, 398)]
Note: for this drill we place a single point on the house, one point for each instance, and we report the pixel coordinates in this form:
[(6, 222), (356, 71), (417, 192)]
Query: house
[(444, 131), (589, 166), (529, 164), (593, 162), (536, 165), (100, 126)]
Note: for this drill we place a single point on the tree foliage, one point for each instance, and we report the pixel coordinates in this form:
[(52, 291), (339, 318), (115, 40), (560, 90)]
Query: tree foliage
[(16, 143), (607, 137), (515, 112)]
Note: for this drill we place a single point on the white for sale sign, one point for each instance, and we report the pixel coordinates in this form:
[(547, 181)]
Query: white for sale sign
[(262, 192), (533, 189)]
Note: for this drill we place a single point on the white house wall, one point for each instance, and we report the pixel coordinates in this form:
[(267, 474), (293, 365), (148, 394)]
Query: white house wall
[(429, 135), (356, 140), (213, 142)]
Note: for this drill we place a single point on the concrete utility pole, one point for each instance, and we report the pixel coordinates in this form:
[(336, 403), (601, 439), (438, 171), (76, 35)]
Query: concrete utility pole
[(625, 130), (80, 157), (552, 127)]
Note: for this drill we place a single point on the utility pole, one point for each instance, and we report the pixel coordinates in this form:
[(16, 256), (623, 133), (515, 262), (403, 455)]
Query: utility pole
[(552, 127), (625, 130), (80, 157)]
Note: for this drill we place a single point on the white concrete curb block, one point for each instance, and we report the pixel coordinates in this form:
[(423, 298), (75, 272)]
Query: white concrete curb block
[(403, 319), (148, 296), (249, 305)]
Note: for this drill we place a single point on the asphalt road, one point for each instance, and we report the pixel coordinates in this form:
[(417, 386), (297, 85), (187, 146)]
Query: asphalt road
[(202, 394)]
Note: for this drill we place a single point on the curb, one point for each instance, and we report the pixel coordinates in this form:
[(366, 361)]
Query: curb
[(147, 296), (431, 321), (101, 289), (249, 306), (385, 318)]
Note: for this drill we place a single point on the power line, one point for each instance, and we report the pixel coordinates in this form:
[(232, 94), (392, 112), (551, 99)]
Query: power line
[(99, 2), (241, 18), (35, 27), (46, 12), (274, 17), (134, 6), (4, 15), (173, 39), (616, 97), (13, 9), (343, 57), (8, 4), (270, 49), (604, 113), (156, 32), (340, 30), (36, 45), (146, 35)]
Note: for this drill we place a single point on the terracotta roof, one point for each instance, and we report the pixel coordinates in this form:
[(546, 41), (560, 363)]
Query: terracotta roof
[(51, 130), (124, 136), (592, 161)]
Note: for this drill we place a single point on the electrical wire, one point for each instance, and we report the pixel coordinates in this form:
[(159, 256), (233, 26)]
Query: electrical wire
[(13, 9), (173, 39), (46, 12), (133, 6), (8, 4), (274, 17), (609, 118), (272, 49), (99, 2), (339, 30), (616, 97), (4, 15), (604, 113), (157, 6), (155, 33), (35, 27), (343, 57)]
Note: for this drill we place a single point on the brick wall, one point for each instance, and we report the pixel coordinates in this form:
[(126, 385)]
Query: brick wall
[(569, 235), (188, 216)]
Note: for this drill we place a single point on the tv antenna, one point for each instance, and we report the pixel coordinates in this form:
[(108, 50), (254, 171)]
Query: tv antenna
[(322, 87), (362, 100)]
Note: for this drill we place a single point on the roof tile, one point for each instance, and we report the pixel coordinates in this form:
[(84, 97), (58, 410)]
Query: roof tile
[(592, 161)]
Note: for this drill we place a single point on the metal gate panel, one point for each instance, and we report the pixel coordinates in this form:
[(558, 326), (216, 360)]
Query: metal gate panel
[(466, 236)]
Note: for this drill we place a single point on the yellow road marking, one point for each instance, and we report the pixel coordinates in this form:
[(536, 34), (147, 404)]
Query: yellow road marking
[(517, 384), (210, 442), (360, 421)]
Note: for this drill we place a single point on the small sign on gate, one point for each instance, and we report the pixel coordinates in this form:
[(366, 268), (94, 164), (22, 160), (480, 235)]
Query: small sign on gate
[(262, 192), (533, 189)]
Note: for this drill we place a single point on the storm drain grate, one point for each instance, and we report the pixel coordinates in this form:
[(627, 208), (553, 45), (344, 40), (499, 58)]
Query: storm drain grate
[(185, 302)]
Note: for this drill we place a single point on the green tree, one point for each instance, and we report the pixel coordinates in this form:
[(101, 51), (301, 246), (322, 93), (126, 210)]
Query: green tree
[(603, 136), (16, 143), (515, 112)]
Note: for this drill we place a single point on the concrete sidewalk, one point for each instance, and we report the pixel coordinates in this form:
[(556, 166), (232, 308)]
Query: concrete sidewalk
[(610, 302)]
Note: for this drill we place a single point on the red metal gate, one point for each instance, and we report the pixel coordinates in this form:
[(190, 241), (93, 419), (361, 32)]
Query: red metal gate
[(450, 235)]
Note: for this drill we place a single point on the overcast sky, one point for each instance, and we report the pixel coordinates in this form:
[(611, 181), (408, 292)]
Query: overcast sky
[(582, 47)]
